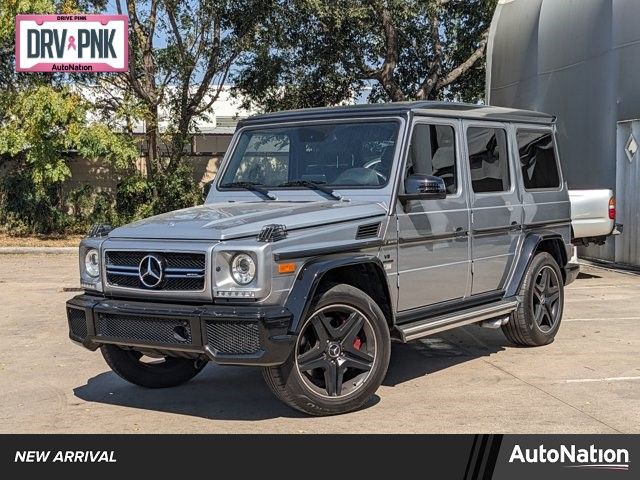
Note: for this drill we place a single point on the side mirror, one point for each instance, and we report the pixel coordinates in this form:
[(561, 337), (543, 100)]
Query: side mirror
[(423, 187), (205, 190)]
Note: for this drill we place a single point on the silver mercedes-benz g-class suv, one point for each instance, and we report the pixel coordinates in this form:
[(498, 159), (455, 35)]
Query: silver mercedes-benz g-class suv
[(326, 234)]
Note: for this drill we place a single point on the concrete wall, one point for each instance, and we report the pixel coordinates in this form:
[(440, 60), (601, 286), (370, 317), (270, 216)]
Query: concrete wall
[(99, 175), (207, 152), (578, 60)]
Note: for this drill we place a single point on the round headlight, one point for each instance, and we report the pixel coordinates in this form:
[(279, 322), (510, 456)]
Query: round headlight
[(92, 263), (243, 268)]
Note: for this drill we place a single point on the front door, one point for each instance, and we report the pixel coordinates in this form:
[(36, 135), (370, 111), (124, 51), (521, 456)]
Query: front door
[(433, 240), (496, 209)]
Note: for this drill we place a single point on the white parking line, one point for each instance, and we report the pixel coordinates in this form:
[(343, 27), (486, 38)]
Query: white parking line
[(598, 319), (607, 379)]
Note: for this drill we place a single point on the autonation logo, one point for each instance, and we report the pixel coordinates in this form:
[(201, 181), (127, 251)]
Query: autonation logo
[(574, 457)]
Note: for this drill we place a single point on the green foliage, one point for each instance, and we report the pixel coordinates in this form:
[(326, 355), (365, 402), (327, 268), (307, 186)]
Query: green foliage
[(321, 52), (44, 123), (176, 190), (135, 197), (39, 131)]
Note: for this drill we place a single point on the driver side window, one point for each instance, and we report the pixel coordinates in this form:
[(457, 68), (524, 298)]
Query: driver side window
[(433, 152)]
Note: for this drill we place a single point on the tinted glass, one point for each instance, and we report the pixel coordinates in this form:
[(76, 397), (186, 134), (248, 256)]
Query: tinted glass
[(488, 159), (339, 154), (537, 159), (433, 152)]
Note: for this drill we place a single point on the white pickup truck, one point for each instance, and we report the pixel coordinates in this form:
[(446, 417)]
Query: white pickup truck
[(593, 216)]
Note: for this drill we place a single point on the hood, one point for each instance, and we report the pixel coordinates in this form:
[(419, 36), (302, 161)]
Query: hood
[(224, 221)]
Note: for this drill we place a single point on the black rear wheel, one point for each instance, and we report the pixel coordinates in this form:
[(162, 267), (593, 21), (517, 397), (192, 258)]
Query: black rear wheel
[(538, 317), (160, 372)]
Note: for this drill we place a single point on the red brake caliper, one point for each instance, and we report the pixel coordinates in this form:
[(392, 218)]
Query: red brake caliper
[(357, 343)]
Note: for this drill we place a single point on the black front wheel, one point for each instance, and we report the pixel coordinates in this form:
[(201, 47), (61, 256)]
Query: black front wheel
[(163, 372), (341, 355)]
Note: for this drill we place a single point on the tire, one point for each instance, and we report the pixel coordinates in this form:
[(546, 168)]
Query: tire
[(346, 338), (538, 317), (169, 372)]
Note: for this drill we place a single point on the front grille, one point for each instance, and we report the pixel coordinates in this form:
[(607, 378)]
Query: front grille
[(182, 271), (77, 323), (233, 338), (143, 329)]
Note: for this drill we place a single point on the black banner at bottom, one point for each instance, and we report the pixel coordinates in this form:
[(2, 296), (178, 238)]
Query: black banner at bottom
[(429, 456)]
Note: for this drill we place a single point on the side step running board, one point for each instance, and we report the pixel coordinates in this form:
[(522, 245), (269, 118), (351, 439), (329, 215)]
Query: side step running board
[(429, 326)]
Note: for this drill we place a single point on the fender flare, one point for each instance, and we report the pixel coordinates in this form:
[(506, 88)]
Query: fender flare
[(527, 252), (311, 274)]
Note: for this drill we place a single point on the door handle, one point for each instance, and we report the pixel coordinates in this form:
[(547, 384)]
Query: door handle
[(515, 226), (460, 232)]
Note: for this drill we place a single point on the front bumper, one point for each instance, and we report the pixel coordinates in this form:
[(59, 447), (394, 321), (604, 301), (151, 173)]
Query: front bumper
[(230, 335)]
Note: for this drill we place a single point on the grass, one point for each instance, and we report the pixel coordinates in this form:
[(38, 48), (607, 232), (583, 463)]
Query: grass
[(40, 240)]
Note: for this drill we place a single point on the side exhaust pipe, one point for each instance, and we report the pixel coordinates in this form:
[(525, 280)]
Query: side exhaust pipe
[(495, 323)]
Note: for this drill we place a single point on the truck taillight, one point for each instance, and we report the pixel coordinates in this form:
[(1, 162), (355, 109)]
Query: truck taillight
[(612, 208)]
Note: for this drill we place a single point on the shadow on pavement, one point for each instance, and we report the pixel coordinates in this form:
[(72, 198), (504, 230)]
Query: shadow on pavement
[(432, 354), (239, 393), (223, 393)]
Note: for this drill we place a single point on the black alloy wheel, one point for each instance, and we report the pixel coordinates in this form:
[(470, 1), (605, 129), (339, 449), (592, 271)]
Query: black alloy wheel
[(546, 298), (340, 356), (336, 351)]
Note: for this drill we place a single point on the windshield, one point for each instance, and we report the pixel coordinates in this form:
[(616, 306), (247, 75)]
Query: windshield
[(339, 154)]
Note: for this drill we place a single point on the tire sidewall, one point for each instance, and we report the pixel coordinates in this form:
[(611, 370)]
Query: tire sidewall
[(320, 405)]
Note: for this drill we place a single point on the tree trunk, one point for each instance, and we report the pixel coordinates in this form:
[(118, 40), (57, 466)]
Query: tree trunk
[(152, 159), (178, 143)]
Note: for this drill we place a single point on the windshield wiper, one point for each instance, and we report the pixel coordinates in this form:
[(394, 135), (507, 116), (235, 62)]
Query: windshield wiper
[(251, 186), (313, 186)]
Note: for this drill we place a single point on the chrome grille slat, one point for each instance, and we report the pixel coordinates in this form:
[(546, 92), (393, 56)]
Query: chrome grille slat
[(123, 268), (125, 273), (180, 275)]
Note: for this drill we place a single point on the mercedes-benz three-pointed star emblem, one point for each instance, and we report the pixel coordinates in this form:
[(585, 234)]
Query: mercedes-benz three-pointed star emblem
[(151, 271)]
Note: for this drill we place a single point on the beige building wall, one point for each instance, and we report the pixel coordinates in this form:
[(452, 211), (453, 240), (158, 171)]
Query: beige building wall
[(207, 152)]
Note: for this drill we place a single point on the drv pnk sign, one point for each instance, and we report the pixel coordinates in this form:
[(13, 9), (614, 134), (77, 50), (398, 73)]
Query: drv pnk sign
[(72, 43)]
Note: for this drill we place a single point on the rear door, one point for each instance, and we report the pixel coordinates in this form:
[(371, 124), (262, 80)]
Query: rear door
[(433, 241), (496, 208)]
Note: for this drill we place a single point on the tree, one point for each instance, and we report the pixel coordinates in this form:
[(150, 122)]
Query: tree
[(181, 54), (321, 52), (42, 123), (39, 131)]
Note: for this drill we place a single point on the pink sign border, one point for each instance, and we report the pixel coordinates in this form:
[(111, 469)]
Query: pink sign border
[(96, 66)]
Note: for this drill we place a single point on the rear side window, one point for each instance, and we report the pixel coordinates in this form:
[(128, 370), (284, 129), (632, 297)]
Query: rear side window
[(488, 159), (537, 159)]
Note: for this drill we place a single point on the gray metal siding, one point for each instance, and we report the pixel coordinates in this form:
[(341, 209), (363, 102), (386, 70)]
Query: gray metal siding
[(578, 60)]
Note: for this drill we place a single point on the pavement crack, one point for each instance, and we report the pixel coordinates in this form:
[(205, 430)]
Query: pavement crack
[(552, 396), (540, 389)]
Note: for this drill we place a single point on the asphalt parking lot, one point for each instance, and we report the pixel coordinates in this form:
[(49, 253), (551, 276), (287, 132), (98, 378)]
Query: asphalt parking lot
[(468, 380)]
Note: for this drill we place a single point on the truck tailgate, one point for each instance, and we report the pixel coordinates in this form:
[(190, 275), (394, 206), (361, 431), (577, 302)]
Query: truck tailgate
[(590, 213)]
